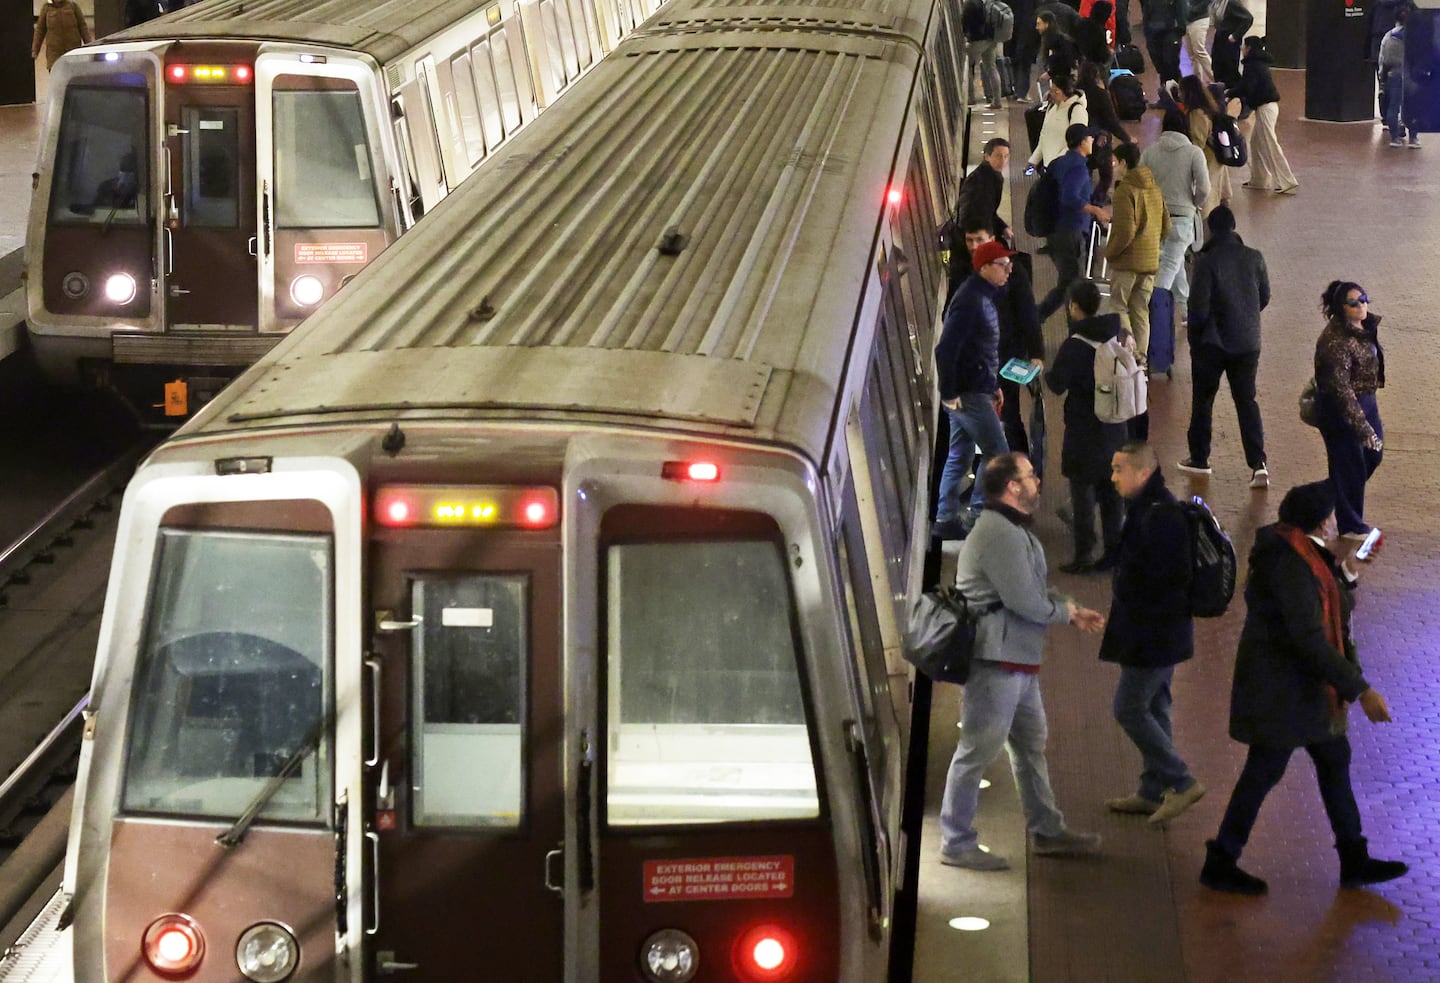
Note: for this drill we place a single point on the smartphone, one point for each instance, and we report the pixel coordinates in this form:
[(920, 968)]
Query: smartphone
[(1366, 547)]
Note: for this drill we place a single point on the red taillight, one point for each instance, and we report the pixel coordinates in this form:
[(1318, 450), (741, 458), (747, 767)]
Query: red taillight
[(242, 73), (766, 954), (536, 514), (177, 73), (399, 512), (690, 471), (173, 945), (894, 197)]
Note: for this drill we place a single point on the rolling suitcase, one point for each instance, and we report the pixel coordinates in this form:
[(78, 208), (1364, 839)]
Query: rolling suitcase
[(1162, 332), (1128, 57), (1099, 238), (1034, 121)]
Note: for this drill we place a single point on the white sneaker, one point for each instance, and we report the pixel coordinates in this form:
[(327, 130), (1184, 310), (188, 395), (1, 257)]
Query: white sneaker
[(1397, 143), (1260, 478), (1414, 142)]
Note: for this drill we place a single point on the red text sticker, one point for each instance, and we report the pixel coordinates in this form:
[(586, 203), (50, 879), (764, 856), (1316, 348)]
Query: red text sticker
[(719, 878), (331, 252)]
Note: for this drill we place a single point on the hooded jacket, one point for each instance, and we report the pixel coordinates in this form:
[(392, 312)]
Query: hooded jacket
[(1058, 117), (1138, 223), (1229, 288), (1257, 85), (1088, 444), (1093, 33), (1179, 169), (59, 28)]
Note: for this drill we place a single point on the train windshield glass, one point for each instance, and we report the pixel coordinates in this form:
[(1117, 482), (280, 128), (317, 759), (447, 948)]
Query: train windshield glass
[(232, 677), (706, 718), (323, 178), (101, 160)]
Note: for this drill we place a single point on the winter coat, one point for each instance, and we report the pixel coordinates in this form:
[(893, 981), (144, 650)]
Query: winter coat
[(979, 199), (1382, 21), (1257, 85), (1101, 108), (1003, 561), (967, 355), (1093, 33), (1058, 117), (1349, 363), (1392, 55), (1229, 288), (1138, 222), (1163, 18), (1284, 660), (1179, 169), (59, 28), (1088, 444), (1149, 625), (1020, 332), (1073, 176)]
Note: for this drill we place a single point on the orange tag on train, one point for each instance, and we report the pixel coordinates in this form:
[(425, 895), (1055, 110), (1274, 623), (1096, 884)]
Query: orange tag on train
[(177, 398)]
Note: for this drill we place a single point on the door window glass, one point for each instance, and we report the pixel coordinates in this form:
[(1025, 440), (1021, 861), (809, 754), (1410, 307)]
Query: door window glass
[(233, 677), (101, 160), (489, 98), (212, 166), (470, 652), (469, 111), (513, 88), (706, 722), (322, 165)]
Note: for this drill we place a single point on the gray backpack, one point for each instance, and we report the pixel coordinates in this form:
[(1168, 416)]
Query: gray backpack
[(1001, 19)]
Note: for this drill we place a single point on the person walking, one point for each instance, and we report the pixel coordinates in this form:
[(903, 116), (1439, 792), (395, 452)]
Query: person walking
[(984, 187), (1023, 48), (1088, 444), (1296, 673), (1269, 168), (968, 366), (1398, 112), (1164, 27), (981, 44), (1200, 109), (1232, 287), (1197, 30), (1002, 561), (1066, 107), (1140, 223), (1179, 169), (1065, 243), (1149, 632), (1349, 369), (59, 27)]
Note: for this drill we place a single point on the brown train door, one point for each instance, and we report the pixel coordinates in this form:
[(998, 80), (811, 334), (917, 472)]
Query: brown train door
[(466, 813), (210, 274)]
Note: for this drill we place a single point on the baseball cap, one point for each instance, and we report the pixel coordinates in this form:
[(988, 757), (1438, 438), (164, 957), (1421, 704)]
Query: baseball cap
[(1076, 132), (989, 252)]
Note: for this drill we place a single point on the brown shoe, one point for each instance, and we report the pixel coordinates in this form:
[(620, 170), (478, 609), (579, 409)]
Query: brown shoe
[(1132, 805), (1175, 803)]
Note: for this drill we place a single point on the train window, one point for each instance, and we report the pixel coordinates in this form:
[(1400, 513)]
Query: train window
[(323, 178), (489, 98), (706, 720), (559, 46), (470, 655), (232, 678), (513, 87), (582, 22), (212, 166), (460, 70), (102, 169)]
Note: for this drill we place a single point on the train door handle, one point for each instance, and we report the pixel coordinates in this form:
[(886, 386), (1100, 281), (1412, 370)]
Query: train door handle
[(385, 963), (177, 291), (374, 666), (556, 854), (253, 245), (374, 839)]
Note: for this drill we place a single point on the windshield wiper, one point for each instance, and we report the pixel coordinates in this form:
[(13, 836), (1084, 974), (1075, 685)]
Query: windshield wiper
[(236, 833)]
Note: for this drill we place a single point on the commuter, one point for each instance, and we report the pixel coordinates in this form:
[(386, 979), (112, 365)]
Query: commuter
[(1179, 169), (1140, 224), (1088, 444), (1269, 169), (1296, 672), (1200, 109), (1231, 288), (1066, 107), (1349, 368), (59, 27), (1385, 14), (1003, 561), (139, 11), (1150, 632), (1232, 20), (1164, 26), (967, 363), (977, 25), (1398, 111), (1065, 243), (983, 188), (1023, 48), (1095, 34), (1197, 29), (1055, 23), (1109, 131)]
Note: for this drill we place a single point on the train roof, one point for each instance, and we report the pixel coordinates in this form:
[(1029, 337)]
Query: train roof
[(382, 29), (685, 241)]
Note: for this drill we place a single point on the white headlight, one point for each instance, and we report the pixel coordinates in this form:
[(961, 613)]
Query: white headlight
[(267, 953), (669, 956), (120, 288), (307, 291)]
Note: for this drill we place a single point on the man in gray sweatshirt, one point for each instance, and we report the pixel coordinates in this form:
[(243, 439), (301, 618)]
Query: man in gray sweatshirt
[(1179, 169), (1003, 562)]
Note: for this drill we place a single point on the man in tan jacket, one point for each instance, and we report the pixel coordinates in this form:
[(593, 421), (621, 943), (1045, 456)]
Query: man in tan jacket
[(59, 27), (1138, 224)]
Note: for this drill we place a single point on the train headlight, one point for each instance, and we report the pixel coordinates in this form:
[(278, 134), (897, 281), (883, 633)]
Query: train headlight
[(267, 953), (75, 285), (173, 945), (120, 288), (307, 290), (669, 956), (766, 954)]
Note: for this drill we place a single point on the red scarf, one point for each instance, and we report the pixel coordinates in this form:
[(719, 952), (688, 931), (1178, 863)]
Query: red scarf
[(1329, 601)]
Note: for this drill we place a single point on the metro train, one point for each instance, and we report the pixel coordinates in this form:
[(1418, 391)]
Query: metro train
[(532, 613), (207, 178)]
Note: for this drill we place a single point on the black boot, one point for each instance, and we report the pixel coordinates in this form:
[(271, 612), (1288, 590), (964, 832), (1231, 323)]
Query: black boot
[(1358, 868), (1222, 873)]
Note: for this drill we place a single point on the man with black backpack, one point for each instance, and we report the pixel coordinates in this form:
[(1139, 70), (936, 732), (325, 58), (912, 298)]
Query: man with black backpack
[(1067, 181), (1150, 631)]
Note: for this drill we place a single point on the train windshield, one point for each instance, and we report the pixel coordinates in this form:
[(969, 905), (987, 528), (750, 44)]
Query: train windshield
[(323, 178), (101, 161), (232, 677), (706, 717)]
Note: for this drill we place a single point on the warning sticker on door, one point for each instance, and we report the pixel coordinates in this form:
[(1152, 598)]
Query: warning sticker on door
[(331, 252), (719, 878)]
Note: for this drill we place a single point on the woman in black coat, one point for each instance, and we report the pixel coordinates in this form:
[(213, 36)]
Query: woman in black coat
[(1088, 444), (1296, 673)]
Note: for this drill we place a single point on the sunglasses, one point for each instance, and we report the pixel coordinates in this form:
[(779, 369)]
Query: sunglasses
[(1362, 299)]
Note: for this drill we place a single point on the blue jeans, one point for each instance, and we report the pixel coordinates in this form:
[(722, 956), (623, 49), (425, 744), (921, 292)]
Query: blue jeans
[(1398, 116), (1351, 463), (1002, 709), (1142, 709), (974, 423), (1171, 275)]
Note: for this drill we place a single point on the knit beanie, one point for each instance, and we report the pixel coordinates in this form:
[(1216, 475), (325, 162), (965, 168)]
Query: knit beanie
[(1221, 219)]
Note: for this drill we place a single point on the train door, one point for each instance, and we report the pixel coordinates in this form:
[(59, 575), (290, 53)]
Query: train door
[(467, 822), (210, 200)]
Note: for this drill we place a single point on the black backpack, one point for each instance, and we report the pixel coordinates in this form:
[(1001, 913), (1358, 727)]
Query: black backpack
[(1128, 95), (1212, 561), (975, 21), (1042, 206), (1226, 141)]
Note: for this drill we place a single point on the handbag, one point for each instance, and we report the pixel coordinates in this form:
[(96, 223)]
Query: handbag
[(1038, 435), (1309, 405), (940, 635)]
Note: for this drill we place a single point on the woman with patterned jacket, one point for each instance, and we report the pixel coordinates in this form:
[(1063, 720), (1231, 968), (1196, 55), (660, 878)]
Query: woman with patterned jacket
[(1349, 368)]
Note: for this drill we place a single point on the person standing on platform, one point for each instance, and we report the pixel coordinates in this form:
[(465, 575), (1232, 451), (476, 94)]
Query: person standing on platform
[(1164, 25), (1269, 168), (1023, 48), (981, 191), (1065, 243), (1066, 107), (1232, 287), (1296, 673), (1197, 30), (1149, 632), (1200, 109), (1398, 112), (968, 366), (1140, 224), (1349, 369), (1002, 561), (1179, 169), (60, 27)]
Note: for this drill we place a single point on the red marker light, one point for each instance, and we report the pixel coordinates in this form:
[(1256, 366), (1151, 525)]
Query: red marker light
[(690, 471), (536, 514), (177, 72), (398, 511), (173, 945), (766, 954), (242, 73), (894, 196)]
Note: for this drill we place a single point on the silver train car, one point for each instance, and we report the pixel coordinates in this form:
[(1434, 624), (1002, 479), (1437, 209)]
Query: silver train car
[(532, 612), (207, 178)]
